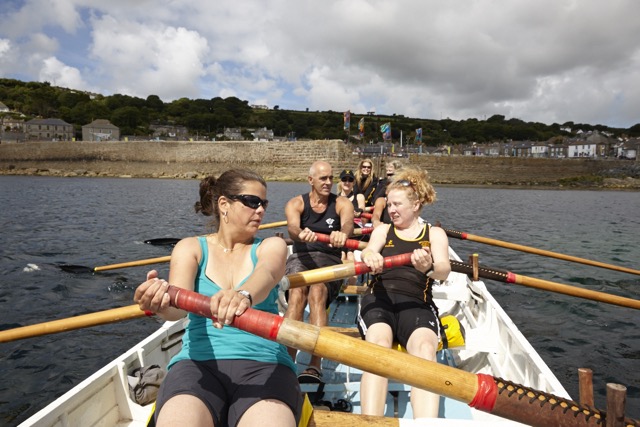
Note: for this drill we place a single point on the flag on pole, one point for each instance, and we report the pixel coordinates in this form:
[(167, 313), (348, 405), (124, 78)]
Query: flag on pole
[(347, 120), (419, 135), (386, 131), (361, 127)]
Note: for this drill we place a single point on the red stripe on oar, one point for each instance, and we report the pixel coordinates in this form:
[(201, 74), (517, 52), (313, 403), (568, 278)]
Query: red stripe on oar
[(149, 313), (511, 277), (485, 397), (390, 261), (463, 236), (366, 215), (261, 323), (349, 243)]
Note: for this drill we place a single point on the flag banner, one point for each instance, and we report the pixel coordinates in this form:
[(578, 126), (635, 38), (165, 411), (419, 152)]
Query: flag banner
[(347, 120), (361, 127), (419, 135), (386, 131)]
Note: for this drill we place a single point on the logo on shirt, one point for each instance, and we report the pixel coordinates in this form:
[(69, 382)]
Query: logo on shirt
[(330, 222), (389, 244), (425, 243)]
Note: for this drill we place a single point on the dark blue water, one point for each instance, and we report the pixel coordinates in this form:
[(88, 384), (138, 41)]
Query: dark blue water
[(93, 222)]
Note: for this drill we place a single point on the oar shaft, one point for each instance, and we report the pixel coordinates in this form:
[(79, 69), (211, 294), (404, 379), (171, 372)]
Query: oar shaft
[(272, 225), (479, 391), (134, 263), (349, 244), (71, 323), (509, 277), (337, 272), (529, 249), (362, 231)]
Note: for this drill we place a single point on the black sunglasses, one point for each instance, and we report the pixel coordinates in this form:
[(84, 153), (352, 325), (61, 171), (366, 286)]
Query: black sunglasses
[(250, 201), (347, 179)]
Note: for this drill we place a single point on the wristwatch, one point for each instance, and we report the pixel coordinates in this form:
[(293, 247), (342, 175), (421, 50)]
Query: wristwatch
[(247, 295)]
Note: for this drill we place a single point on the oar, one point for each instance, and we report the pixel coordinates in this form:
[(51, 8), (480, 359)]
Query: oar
[(82, 269), (481, 391), (70, 323), (338, 271), (362, 231), (509, 277), (349, 244), (466, 236), (71, 268), (306, 278), (366, 215), (167, 241)]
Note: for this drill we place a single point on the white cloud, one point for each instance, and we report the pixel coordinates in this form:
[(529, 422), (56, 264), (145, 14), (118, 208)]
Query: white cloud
[(59, 74), (549, 60)]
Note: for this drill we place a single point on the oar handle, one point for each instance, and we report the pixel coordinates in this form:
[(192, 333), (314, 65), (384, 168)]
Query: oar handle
[(362, 231), (338, 271), (366, 215), (349, 244), (509, 277)]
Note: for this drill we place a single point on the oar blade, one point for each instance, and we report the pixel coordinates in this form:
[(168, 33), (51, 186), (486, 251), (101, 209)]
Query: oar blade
[(76, 269), (163, 241)]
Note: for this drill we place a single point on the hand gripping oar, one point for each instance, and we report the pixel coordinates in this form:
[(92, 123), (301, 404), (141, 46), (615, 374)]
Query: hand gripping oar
[(349, 244), (338, 271), (509, 277), (480, 391), (70, 323), (168, 241), (466, 236)]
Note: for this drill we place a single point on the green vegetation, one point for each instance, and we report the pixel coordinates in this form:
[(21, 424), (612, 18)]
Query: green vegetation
[(208, 117)]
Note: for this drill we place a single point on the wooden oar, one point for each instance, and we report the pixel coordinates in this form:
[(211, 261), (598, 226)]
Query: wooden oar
[(169, 241), (509, 277), (362, 231), (339, 271), (466, 236), (349, 244), (306, 278), (70, 323), (82, 269), (71, 268), (480, 391)]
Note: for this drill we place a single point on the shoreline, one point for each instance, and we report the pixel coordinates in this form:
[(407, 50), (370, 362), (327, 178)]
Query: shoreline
[(79, 169)]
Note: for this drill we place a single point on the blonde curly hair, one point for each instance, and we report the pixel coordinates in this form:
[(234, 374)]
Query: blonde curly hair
[(415, 181)]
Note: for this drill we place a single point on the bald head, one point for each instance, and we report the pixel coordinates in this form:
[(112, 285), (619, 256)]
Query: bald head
[(319, 167)]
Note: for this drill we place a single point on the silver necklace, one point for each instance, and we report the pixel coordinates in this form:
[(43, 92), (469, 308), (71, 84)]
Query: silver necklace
[(224, 249)]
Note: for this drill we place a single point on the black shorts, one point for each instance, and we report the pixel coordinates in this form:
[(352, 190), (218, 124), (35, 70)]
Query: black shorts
[(304, 261), (403, 313), (230, 387)]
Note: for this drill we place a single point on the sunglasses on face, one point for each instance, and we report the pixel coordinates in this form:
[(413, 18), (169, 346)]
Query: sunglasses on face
[(366, 166), (250, 201), (347, 179)]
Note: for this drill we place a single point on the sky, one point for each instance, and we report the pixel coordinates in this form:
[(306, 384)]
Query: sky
[(548, 61)]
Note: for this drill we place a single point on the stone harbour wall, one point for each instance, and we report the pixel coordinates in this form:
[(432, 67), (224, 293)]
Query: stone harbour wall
[(290, 161)]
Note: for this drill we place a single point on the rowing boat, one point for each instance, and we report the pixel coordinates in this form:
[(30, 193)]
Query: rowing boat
[(493, 345)]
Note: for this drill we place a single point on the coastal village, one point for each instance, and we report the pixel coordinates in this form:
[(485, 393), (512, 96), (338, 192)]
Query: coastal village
[(580, 144)]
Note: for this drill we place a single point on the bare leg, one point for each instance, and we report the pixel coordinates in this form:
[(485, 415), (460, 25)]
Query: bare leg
[(267, 413), (423, 343), (318, 295), (184, 410), (373, 388), (296, 302)]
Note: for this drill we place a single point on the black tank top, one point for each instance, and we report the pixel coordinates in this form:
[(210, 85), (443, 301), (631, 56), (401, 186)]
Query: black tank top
[(404, 279), (324, 222)]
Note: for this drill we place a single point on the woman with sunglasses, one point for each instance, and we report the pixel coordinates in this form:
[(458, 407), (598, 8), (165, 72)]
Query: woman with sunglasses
[(399, 305), (345, 188), (366, 181), (222, 375)]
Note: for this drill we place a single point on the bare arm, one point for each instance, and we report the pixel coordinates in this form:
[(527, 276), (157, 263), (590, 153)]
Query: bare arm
[(439, 253), (292, 211), (152, 294), (371, 254), (378, 209)]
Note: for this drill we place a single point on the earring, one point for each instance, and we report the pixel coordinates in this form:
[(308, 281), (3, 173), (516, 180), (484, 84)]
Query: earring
[(225, 218)]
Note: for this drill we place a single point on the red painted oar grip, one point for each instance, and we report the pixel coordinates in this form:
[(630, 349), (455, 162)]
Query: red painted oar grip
[(257, 322), (366, 215), (390, 261), (349, 243)]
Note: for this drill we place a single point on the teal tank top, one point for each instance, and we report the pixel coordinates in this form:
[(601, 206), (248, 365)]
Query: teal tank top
[(201, 341)]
